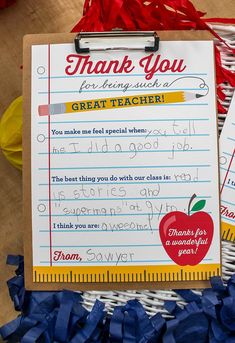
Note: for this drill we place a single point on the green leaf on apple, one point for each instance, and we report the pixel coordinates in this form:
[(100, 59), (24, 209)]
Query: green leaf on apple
[(199, 205)]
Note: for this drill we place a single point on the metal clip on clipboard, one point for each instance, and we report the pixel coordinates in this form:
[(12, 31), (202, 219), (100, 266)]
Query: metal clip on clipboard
[(119, 35)]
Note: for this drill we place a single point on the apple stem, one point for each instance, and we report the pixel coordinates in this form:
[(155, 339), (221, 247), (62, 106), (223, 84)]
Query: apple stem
[(190, 202)]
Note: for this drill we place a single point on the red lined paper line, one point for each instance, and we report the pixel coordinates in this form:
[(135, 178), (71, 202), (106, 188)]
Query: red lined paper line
[(230, 163), (49, 155)]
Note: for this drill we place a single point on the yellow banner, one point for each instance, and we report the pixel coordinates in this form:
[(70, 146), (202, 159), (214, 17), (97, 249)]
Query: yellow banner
[(228, 231), (125, 273), (125, 101)]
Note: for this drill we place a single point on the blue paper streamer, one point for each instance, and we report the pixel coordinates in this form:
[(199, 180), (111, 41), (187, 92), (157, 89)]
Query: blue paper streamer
[(129, 327), (231, 286), (227, 313), (188, 295), (116, 325), (64, 313), (144, 327), (209, 303), (33, 334), (93, 319), (171, 326), (60, 317), (10, 328)]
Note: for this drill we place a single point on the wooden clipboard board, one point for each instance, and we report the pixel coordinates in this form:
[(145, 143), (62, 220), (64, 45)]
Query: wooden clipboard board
[(41, 39)]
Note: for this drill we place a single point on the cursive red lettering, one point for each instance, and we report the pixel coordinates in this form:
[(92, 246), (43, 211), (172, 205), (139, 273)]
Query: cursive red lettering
[(225, 212), (60, 255), (177, 66), (152, 64), (82, 64), (74, 63)]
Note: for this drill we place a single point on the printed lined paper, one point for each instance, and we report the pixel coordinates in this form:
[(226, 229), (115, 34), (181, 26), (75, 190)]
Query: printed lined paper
[(227, 170), (116, 146)]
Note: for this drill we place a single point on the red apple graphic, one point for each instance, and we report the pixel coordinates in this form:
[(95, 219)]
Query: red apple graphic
[(187, 238)]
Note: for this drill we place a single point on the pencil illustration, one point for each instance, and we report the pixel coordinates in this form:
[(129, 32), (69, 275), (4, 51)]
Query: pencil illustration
[(117, 102)]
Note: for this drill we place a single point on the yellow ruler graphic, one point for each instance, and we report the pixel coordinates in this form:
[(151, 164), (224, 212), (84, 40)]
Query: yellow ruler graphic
[(228, 231), (81, 274)]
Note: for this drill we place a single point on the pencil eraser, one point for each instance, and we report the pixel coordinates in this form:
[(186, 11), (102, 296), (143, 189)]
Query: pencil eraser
[(43, 110)]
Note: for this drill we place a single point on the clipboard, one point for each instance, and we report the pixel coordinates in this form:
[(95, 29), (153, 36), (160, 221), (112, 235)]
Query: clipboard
[(173, 277)]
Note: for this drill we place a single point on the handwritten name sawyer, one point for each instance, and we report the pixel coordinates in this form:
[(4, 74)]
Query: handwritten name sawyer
[(116, 257), (93, 256)]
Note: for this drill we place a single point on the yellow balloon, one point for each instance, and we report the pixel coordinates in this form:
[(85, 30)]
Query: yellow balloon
[(11, 133)]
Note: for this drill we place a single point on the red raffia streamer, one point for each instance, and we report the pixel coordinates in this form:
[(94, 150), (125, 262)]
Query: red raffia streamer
[(6, 3), (140, 15)]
